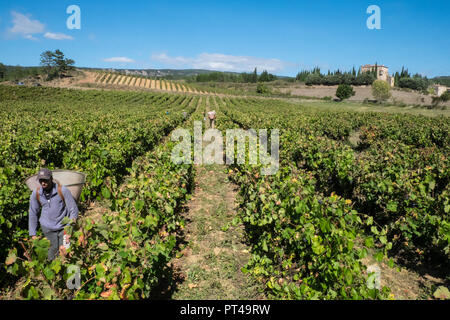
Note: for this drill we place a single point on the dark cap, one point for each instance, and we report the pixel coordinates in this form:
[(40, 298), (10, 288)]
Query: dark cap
[(44, 174)]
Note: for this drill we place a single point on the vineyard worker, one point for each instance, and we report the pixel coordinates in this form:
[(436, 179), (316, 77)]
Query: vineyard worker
[(56, 203), (212, 118)]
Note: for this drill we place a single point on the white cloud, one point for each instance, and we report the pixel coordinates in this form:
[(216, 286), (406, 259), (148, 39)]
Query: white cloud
[(119, 59), (57, 36), (222, 62), (24, 26), (30, 37)]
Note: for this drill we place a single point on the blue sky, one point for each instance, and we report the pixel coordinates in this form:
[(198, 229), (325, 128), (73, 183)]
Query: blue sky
[(280, 36)]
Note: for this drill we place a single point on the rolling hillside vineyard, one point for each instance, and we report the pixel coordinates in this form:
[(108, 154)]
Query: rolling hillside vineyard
[(349, 185)]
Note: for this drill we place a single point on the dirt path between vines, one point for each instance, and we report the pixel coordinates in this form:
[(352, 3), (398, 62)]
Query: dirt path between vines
[(210, 263)]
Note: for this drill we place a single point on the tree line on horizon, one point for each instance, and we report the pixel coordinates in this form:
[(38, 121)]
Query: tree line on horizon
[(16, 73), (243, 77), (402, 79), (316, 77), (52, 65)]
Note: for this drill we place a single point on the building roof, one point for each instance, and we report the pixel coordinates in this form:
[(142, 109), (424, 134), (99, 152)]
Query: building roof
[(373, 66)]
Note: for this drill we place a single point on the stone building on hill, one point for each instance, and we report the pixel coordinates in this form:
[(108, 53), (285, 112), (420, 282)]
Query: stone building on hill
[(440, 89), (382, 72)]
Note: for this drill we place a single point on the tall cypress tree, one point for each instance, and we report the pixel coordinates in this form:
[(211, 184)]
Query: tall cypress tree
[(396, 77), (2, 71)]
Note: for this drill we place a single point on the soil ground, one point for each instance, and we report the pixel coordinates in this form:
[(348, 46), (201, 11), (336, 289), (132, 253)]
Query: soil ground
[(210, 264), (406, 283)]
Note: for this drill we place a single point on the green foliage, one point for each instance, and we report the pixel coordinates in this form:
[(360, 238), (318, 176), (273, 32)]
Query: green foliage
[(381, 90), (310, 225), (303, 75), (416, 83), (445, 81), (262, 89), (254, 77), (442, 293), (232, 77), (266, 77), (123, 255), (76, 134), (302, 243), (445, 96), (55, 64), (16, 73), (48, 63), (344, 91), (216, 77), (364, 78), (315, 77), (402, 79), (398, 188), (2, 71)]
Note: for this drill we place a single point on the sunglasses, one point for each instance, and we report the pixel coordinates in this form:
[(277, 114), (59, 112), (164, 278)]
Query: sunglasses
[(44, 180)]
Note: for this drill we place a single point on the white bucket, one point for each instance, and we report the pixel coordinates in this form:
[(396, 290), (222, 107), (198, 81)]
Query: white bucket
[(72, 180)]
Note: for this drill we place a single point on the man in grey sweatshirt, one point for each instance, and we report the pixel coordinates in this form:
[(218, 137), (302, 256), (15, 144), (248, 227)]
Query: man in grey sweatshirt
[(56, 203)]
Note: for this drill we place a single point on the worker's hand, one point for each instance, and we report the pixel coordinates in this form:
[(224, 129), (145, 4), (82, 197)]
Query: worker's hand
[(62, 252), (34, 237)]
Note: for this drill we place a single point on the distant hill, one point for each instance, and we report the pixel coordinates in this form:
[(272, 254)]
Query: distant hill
[(167, 73), (163, 73)]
